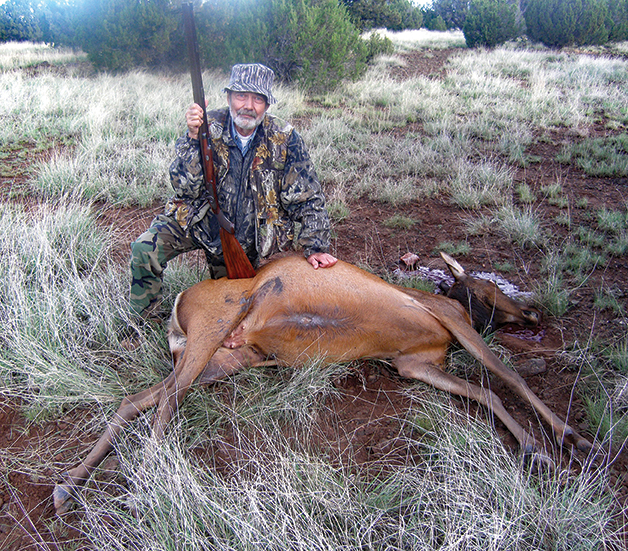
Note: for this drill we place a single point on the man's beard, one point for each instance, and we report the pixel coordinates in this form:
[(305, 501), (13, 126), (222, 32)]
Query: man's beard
[(242, 120)]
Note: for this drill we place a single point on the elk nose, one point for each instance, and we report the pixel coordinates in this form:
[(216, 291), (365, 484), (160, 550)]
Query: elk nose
[(531, 316)]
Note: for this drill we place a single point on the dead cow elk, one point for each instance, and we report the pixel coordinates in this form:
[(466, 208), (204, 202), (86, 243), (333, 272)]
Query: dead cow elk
[(289, 314)]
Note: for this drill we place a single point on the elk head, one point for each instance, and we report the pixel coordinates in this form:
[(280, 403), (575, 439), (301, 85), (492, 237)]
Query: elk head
[(487, 305)]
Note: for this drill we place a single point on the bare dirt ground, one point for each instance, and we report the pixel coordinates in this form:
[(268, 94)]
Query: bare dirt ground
[(371, 397)]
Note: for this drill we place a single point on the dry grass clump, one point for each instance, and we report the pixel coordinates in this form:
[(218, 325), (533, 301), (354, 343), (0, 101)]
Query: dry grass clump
[(457, 489)]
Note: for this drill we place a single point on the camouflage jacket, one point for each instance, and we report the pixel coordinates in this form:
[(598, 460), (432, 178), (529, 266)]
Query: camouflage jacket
[(264, 192)]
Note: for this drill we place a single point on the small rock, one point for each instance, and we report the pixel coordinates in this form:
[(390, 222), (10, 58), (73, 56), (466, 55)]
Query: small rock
[(372, 377), (530, 367)]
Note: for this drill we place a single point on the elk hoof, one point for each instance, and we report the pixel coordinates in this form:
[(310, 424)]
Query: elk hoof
[(579, 442), (536, 460), (63, 498), (583, 445)]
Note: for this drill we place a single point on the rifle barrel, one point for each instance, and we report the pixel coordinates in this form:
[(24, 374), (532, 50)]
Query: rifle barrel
[(238, 264)]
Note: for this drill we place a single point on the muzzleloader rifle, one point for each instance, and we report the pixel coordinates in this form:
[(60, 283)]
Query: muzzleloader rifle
[(237, 263)]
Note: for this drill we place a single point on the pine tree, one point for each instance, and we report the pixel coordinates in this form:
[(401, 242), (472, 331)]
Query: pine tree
[(592, 23), (330, 46)]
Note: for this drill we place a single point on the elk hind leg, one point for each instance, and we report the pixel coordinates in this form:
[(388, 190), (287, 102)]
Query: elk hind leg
[(129, 409), (223, 362)]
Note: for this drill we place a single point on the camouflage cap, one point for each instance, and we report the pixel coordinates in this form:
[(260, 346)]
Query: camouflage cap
[(252, 77)]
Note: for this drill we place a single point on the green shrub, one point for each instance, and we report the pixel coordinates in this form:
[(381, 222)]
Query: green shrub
[(617, 20), (490, 23), (433, 21), (328, 46), (558, 23), (378, 45), (121, 34), (18, 23), (396, 15)]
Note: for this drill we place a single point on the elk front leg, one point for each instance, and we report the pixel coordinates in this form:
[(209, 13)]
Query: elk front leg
[(129, 409), (561, 430), (436, 377), (478, 349)]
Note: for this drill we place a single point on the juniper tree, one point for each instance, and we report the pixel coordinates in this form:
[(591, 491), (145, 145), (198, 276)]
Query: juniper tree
[(490, 22)]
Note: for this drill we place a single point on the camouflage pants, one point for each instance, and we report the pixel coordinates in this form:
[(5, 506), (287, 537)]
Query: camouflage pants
[(150, 253)]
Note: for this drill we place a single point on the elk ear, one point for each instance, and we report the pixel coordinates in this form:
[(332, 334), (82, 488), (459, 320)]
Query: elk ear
[(456, 269)]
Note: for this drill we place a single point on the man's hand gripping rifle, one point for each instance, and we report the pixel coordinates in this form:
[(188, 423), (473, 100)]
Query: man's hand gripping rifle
[(237, 263)]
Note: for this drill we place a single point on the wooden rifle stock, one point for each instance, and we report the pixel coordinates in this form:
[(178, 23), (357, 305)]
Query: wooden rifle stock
[(237, 263)]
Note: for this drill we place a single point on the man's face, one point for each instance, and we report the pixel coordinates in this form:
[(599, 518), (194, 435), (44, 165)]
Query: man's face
[(247, 110)]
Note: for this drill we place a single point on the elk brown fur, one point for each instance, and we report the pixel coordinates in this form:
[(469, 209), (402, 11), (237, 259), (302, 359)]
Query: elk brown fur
[(290, 314)]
